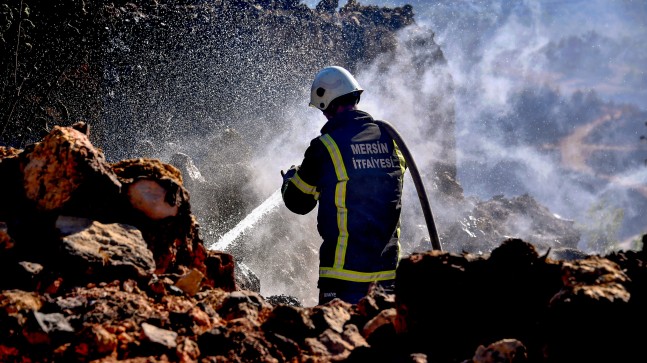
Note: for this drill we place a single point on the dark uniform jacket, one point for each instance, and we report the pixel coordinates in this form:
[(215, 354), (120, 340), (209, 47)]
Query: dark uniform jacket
[(355, 171)]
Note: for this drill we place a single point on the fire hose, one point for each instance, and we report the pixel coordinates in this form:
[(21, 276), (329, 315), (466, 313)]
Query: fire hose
[(417, 181)]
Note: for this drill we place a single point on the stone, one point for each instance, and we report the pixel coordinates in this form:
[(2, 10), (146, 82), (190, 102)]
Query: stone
[(150, 198), (60, 165), (108, 251), (191, 282), (162, 337)]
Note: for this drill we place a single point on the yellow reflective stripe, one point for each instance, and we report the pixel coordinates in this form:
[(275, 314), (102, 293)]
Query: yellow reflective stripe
[(303, 186), (340, 169), (342, 224), (403, 163), (340, 199), (403, 167), (397, 231), (356, 276)]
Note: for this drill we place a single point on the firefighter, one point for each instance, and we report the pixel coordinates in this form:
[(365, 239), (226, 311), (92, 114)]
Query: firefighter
[(355, 171)]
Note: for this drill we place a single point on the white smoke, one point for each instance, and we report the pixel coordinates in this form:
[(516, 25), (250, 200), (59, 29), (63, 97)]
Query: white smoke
[(495, 51)]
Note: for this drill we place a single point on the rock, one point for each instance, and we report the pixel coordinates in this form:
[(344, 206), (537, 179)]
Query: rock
[(149, 197), (153, 188), (26, 275), (335, 346), (506, 350), (14, 303), (330, 317), (93, 342), (63, 166), (243, 304), (566, 254), (386, 318), (47, 328), (191, 282), (592, 287), (275, 300), (246, 279), (220, 267), (545, 304), (82, 127), (167, 224), (491, 222), (162, 337), (100, 251), (187, 351), (106, 219), (291, 322), (191, 174)]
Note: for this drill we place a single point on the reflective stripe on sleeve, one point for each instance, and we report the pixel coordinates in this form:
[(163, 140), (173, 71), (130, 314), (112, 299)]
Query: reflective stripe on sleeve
[(304, 187)]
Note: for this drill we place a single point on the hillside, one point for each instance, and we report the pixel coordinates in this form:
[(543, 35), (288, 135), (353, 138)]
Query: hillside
[(130, 138)]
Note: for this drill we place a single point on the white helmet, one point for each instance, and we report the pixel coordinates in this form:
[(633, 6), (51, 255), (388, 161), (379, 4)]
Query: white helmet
[(330, 83)]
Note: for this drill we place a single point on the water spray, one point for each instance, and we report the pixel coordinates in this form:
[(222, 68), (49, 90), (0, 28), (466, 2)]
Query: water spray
[(417, 181), (248, 222), (273, 200)]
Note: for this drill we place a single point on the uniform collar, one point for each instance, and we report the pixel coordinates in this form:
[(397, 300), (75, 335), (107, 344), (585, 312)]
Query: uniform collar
[(344, 118)]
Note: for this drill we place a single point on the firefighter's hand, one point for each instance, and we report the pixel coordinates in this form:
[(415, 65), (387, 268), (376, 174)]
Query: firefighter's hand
[(290, 173)]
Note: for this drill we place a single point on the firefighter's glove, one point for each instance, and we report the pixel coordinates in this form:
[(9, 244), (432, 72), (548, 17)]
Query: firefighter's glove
[(289, 174)]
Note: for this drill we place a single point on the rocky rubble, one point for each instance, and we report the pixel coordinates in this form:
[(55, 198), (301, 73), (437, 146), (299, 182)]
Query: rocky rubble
[(104, 262), (486, 223)]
